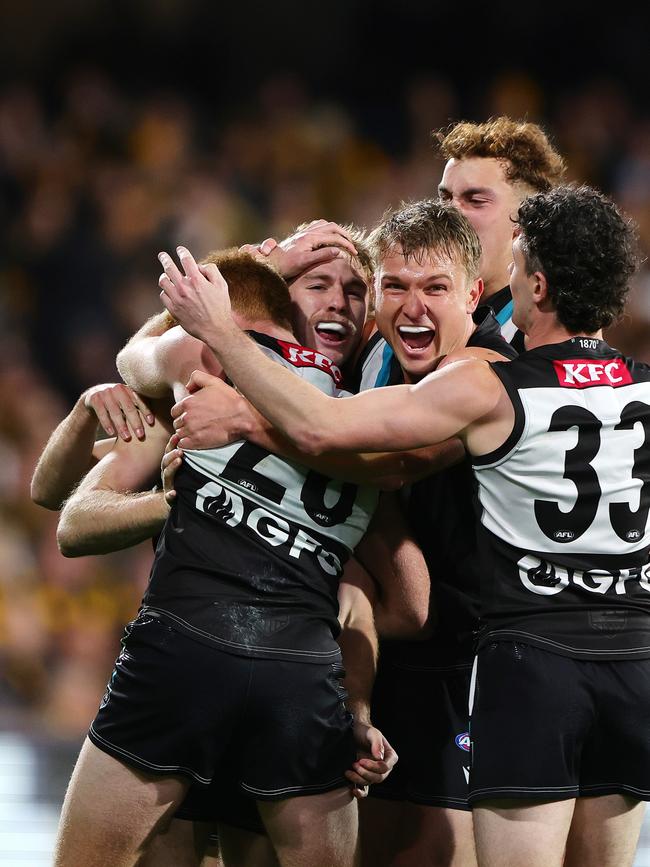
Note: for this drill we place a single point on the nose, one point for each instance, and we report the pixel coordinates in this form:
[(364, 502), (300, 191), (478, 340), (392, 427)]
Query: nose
[(414, 306), (336, 298)]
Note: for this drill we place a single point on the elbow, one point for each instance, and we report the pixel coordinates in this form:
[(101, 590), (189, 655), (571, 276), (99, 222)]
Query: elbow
[(66, 539), (41, 497), (309, 438)]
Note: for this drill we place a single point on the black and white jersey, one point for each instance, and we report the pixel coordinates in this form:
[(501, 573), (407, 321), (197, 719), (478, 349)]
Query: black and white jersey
[(440, 512), (564, 504), (253, 549), (502, 307)]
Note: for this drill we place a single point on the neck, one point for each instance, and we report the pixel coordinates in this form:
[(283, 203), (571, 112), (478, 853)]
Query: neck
[(546, 333), (265, 326)]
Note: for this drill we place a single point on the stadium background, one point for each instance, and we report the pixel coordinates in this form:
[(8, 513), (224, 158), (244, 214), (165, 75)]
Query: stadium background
[(126, 127)]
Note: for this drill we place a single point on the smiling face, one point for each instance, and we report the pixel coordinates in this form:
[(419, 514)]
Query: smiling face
[(330, 304), (478, 187), (424, 308)]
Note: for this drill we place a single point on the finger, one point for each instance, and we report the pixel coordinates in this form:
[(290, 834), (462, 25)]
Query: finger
[(335, 239), (132, 414), (179, 422), (359, 792), (375, 742), (355, 779), (178, 408), (268, 246), (102, 416), (189, 263), (169, 457), (251, 249), (322, 256), (170, 268), (172, 444), (118, 421), (145, 410), (198, 379)]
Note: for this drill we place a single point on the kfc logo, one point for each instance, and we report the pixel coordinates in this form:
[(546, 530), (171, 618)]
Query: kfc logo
[(587, 372), (300, 356)]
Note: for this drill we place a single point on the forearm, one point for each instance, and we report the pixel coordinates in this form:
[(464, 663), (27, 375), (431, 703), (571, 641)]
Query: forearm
[(101, 521), (359, 646), (66, 459)]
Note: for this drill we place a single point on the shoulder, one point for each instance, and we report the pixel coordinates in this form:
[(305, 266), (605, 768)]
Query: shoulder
[(477, 353)]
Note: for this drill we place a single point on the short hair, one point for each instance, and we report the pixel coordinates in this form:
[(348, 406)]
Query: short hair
[(530, 157), (420, 228), (360, 240), (256, 289), (587, 250)]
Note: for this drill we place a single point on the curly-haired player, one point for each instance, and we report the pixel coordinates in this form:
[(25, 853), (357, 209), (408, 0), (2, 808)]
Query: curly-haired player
[(559, 440)]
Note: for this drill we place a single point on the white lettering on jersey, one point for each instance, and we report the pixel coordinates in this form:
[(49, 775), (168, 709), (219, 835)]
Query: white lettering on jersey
[(547, 579), (582, 372)]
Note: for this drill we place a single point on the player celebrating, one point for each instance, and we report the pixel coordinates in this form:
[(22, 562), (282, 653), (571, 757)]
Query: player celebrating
[(559, 442)]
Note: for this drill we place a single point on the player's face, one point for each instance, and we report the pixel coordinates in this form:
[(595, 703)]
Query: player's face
[(424, 309), (330, 304), (521, 286), (478, 187)]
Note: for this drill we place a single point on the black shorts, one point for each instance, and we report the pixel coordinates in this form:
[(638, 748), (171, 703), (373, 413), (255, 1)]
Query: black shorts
[(552, 727), (175, 706), (423, 712)]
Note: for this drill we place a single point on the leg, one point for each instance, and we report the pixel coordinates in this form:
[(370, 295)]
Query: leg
[(401, 834), (513, 833), (111, 811), (604, 832), (243, 848), (181, 844), (314, 830)]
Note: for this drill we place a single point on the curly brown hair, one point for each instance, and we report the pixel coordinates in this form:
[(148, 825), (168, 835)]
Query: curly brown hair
[(587, 250), (530, 157)]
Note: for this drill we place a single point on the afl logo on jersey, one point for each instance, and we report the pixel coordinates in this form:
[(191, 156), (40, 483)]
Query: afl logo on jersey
[(564, 535), (463, 742)]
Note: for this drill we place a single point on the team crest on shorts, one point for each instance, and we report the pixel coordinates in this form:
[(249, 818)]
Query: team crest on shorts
[(462, 741)]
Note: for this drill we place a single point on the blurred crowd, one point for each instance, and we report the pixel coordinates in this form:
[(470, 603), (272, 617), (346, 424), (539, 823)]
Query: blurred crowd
[(94, 183)]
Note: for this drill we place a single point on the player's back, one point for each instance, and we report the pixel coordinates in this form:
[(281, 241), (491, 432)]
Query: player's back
[(252, 552)]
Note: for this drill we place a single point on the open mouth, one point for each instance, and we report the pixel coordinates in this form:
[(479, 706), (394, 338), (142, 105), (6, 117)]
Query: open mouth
[(331, 332), (416, 338)]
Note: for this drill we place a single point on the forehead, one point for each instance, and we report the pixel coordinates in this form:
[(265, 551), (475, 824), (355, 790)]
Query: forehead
[(343, 269), (474, 173), (428, 264)]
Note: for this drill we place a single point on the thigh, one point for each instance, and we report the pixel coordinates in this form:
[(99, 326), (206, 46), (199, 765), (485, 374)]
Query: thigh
[(112, 811), (616, 758), (243, 848), (401, 834), (314, 831), (604, 832), (181, 844), (532, 713), (515, 833), (157, 714), (296, 738)]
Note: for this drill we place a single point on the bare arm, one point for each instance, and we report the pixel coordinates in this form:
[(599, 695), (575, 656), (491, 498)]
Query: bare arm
[(358, 641), (391, 555), (214, 414), (109, 510), (404, 417), (154, 364)]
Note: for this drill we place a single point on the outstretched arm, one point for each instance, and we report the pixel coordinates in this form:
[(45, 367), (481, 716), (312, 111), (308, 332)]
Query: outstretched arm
[(404, 417)]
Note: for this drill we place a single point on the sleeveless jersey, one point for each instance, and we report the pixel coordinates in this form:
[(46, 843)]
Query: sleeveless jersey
[(440, 512), (564, 505), (252, 551), (502, 306)]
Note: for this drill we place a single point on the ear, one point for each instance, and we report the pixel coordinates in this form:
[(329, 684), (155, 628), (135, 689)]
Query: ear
[(540, 287), (474, 295)]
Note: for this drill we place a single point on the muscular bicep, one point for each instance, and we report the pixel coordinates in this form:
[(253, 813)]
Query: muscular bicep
[(154, 366)]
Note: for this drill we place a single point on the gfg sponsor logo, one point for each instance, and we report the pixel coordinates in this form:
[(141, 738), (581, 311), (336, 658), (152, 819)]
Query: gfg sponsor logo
[(547, 579)]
